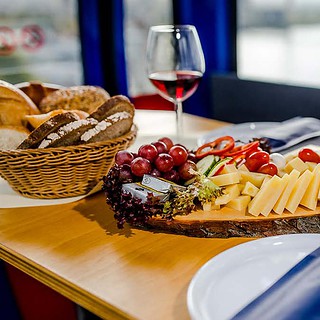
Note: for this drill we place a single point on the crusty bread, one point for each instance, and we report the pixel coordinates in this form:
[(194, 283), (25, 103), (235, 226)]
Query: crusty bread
[(36, 90), (14, 105), (11, 136), (69, 134), (112, 127), (86, 98), (37, 119), (113, 105), (51, 125)]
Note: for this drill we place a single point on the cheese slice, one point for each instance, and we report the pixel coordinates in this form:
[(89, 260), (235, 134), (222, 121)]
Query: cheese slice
[(310, 198), (290, 180), (226, 179), (266, 197), (253, 177), (298, 191), (278, 185)]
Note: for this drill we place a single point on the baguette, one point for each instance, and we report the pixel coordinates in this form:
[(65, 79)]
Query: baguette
[(86, 98), (49, 126)]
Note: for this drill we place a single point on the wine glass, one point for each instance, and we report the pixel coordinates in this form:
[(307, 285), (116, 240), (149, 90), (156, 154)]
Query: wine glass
[(175, 64)]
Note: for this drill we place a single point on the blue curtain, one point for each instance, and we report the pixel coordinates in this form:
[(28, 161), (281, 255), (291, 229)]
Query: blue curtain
[(102, 44), (215, 21)]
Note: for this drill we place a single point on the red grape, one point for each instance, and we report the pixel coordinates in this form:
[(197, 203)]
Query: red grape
[(155, 172), (140, 166), (167, 141), (161, 146), (184, 170), (148, 151), (179, 154), (123, 156), (192, 157), (164, 162), (171, 175), (125, 174)]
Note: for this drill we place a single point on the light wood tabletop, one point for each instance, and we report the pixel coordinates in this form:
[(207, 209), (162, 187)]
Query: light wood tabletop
[(77, 250)]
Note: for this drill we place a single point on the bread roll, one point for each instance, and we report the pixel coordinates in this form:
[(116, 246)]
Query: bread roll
[(14, 105), (86, 98), (12, 136), (36, 90)]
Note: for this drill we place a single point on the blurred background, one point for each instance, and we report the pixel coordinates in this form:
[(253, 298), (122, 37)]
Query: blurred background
[(277, 40)]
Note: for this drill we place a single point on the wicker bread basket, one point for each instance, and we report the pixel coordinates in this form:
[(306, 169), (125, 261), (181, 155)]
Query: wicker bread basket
[(63, 171)]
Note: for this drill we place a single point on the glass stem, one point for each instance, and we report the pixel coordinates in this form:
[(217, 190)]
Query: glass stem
[(179, 125)]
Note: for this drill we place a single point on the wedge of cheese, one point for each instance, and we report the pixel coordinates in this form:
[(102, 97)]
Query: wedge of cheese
[(310, 198), (240, 203), (249, 189), (296, 163), (298, 191), (290, 179), (267, 196), (230, 192)]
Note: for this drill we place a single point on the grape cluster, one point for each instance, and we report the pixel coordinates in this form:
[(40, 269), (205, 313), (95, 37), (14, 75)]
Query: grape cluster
[(161, 158)]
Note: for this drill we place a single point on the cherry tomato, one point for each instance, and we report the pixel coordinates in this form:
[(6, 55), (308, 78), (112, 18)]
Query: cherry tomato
[(268, 168), (309, 155), (256, 160)]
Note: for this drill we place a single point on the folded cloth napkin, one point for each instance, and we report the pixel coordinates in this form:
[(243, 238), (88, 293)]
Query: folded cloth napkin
[(291, 132), (295, 296)]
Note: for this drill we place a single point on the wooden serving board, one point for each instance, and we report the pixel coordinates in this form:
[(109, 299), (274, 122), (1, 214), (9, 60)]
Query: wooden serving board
[(227, 223)]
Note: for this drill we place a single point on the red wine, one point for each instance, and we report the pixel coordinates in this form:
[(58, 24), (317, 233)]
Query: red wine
[(177, 85)]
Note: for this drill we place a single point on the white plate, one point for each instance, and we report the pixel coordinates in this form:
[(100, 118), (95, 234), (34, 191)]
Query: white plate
[(232, 279), (243, 131)]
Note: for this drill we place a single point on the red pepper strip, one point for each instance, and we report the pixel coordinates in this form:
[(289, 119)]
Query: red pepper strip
[(242, 149), (213, 147)]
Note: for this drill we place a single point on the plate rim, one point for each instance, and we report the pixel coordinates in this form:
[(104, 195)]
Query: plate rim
[(192, 308)]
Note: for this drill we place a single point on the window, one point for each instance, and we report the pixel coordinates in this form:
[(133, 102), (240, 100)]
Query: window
[(39, 40), (139, 16), (278, 41)]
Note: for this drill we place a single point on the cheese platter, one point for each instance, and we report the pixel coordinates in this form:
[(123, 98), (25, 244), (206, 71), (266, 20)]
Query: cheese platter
[(223, 189)]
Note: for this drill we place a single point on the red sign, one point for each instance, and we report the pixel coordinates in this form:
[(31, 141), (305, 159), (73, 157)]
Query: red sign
[(30, 38), (7, 41)]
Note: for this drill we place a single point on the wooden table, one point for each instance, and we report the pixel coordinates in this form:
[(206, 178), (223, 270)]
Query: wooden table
[(77, 250)]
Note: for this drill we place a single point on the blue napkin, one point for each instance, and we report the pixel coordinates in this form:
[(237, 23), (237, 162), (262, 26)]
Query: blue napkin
[(291, 132), (295, 296)]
